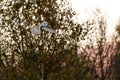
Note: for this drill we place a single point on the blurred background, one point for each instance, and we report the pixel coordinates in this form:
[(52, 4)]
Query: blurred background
[(87, 46)]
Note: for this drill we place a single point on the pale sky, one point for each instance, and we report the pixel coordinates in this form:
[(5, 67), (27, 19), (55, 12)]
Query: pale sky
[(109, 7)]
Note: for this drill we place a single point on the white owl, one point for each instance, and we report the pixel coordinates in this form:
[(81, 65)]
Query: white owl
[(44, 25)]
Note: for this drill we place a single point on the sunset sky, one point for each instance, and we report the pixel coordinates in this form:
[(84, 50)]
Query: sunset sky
[(109, 7)]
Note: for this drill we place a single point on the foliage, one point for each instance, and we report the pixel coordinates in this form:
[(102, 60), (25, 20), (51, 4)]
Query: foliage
[(47, 56), (116, 57), (24, 56), (99, 52)]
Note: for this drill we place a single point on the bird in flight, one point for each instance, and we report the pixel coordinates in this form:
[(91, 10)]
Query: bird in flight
[(44, 25), (34, 30)]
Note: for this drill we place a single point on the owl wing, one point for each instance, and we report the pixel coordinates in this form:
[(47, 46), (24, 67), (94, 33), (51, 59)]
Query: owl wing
[(34, 30), (50, 30)]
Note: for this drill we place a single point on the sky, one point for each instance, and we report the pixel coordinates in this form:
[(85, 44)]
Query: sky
[(109, 7)]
